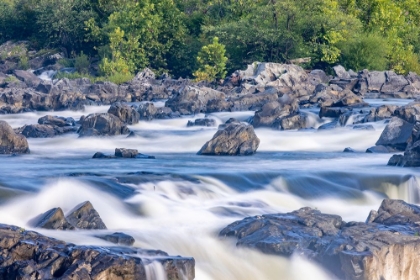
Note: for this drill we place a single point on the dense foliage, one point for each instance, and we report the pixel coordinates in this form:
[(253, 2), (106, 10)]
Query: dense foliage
[(174, 35)]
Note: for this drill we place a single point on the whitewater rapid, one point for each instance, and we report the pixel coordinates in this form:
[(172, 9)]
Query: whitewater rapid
[(179, 201)]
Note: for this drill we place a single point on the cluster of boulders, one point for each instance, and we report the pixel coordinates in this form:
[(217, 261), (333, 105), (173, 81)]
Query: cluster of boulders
[(30, 255), (384, 247)]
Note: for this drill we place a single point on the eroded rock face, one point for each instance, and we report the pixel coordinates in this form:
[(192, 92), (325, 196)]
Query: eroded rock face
[(127, 114), (102, 125), (30, 255), (84, 216), (397, 134), (353, 250), (234, 139), (10, 142)]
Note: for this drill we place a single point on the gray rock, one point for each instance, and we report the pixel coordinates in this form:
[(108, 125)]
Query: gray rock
[(397, 134), (252, 101), (297, 121), (341, 72), (317, 76), (363, 127), (411, 157), (396, 160), (56, 121), (84, 216), (348, 150), (192, 100), (330, 125), (45, 131), (234, 139), (101, 155), (126, 153), (30, 255), (380, 149), (333, 112), (27, 77), (380, 113), (351, 250), (273, 111), (52, 219), (118, 238), (103, 124), (394, 83), (409, 112), (202, 122), (10, 142), (147, 111), (127, 114)]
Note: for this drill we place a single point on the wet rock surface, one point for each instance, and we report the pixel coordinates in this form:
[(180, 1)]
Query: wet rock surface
[(234, 139), (127, 114), (84, 216), (118, 238), (102, 125), (353, 250), (30, 255), (11, 142)]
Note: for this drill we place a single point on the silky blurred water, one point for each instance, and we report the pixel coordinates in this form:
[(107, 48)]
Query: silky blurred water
[(179, 201)]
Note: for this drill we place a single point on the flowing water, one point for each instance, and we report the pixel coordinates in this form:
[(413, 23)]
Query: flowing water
[(179, 201)]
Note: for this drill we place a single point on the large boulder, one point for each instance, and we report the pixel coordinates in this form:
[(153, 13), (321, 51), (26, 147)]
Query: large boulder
[(380, 113), (103, 124), (273, 113), (28, 78), (235, 139), (340, 72), (11, 142), (52, 219), (30, 255), (84, 216), (397, 134), (411, 157), (127, 114), (409, 112), (252, 101), (191, 100), (353, 250)]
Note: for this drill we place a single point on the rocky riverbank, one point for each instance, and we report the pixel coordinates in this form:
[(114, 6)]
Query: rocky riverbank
[(384, 247)]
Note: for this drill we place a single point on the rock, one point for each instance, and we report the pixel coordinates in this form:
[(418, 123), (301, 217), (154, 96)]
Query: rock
[(330, 125), (56, 121), (147, 111), (126, 153), (380, 113), (101, 155), (349, 150), (397, 134), (381, 149), (103, 124), (353, 250), (10, 142), (45, 131), (118, 238), (410, 112), (348, 98), (127, 114), (84, 216), (193, 100), (411, 157), (363, 127), (317, 77), (274, 111), (28, 78), (202, 122), (52, 219), (250, 102), (30, 255), (297, 121), (341, 72), (393, 83), (234, 139), (333, 112)]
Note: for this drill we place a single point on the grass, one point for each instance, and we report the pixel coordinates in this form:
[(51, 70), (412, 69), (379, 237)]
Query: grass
[(11, 79)]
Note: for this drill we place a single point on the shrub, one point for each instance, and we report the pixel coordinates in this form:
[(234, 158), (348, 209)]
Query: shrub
[(211, 62)]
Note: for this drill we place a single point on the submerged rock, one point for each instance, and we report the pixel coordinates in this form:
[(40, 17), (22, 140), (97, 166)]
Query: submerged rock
[(202, 122), (126, 153), (351, 250), (235, 139), (11, 142), (30, 255), (118, 238)]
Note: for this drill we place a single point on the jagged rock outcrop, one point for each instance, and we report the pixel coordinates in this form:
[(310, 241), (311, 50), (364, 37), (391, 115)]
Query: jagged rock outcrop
[(397, 134), (103, 124), (192, 100), (127, 114), (11, 142), (234, 139), (30, 255), (84, 216), (353, 250)]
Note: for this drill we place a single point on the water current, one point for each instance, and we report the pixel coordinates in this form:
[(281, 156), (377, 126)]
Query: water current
[(179, 201)]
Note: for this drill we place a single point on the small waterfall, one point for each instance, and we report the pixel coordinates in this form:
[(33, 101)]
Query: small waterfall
[(47, 75)]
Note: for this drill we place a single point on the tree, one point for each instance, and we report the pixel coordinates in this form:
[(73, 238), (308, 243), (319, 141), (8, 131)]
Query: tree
[(211, 62)]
